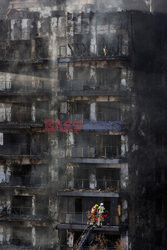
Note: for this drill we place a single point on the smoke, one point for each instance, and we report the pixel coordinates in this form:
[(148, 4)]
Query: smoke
[(3, 8), (159, 6)]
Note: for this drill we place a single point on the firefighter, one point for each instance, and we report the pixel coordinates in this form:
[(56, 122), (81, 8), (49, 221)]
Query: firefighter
[(92, 216), (101, 210)]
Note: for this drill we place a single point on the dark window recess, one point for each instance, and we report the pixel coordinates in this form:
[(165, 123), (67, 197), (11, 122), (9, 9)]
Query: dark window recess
[(80, 45), (108, 78), (108, 111), (41, 48), (108, 145), (39, 144), (161, 142), (158, 238), (19, 50), (42, 236), (21, 176), (108, 178), (21, 205), (42, 204), (29, 175), (85, 139), (79, 111), (158, 206), (22, 236), (21, 112), (42, 111), (15, 144), (78, 205), (63, 78), (109, 42), (84, 145), (158, 174), (81, 178)]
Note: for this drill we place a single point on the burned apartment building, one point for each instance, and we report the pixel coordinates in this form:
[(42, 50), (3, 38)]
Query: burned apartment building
[(86, 64)]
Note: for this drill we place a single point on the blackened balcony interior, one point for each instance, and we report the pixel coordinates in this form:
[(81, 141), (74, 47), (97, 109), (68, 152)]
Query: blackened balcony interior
[(108, 111), (25, 176), (22, 206), (17, 113), (94, 179), (21, 50), (16, 87), (109, 45), (21, 236), (87, 79), (74, 210), (21, 144), (91, 145)]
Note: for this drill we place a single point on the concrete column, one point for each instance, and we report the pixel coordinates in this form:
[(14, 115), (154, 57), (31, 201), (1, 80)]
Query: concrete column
[(124, 239), (33, 112), (33, 206), (33, 54), (93, 111), (124, 175), (124, 78), (33, 237), (92, 179), (70, 239), (70, 176), (1, 234), (124, 145)]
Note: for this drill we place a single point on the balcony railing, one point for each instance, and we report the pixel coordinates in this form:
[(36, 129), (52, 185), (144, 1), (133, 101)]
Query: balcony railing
[(20, 149), (101, 116), (94, 152), (111, 185), (15, 149), (89, 85), (82, 219), (26, 87), (22, 180), (18, 212), (24, 211)]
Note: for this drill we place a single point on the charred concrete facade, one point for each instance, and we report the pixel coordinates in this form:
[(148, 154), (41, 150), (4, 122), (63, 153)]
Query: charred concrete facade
[(63, 62)]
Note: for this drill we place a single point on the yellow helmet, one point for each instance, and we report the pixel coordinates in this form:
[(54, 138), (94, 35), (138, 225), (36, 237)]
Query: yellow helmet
[(96, 205)]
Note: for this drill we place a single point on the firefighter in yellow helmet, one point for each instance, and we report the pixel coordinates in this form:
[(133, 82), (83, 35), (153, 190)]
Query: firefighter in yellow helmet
[(92, 216), (101, 210)]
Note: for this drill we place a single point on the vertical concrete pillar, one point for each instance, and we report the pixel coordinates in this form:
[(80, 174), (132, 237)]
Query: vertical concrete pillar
[(93, 111), (92, 179), (124, 145), (70, 239), (33, 206), (124, 175), (124, 239), (1, 234), (93, 41), (33, 112), (33, 54), (33, 237), (70, 176)]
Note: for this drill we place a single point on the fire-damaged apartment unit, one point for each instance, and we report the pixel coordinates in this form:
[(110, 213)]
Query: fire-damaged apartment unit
[(66, 64)]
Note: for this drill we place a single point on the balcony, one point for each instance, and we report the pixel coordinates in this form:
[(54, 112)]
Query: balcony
[(81, 219), (21, 214), (107, 152), (14, 89), (22, 181), (90, 88), (108, 185), (21, 150)]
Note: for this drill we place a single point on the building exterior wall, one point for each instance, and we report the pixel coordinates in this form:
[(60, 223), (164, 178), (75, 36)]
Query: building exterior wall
[(74, 119)]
